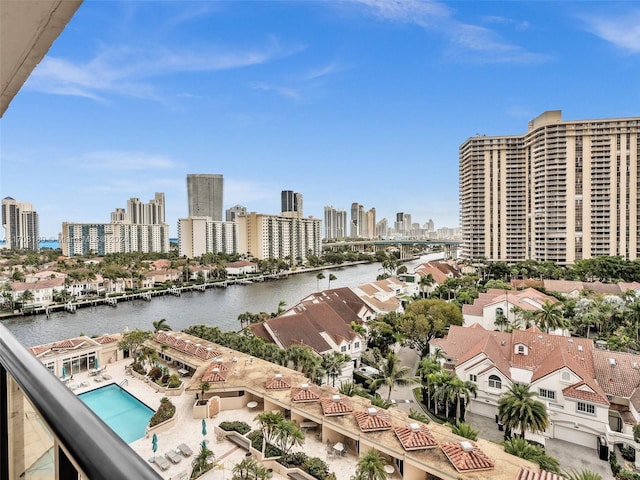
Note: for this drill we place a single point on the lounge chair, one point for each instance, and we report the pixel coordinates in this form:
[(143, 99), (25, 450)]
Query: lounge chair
[(184, 449), (161, 462), (173, 456)]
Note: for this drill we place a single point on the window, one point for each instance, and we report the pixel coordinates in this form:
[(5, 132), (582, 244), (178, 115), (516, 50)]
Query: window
[(343, 348), (586, 408), (566, 376), (356, 345), (473, 377), (521, 349), (548, 394), (495, 382)]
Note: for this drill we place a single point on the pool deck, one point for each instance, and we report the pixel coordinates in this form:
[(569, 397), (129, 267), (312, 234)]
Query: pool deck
[(189, 431)]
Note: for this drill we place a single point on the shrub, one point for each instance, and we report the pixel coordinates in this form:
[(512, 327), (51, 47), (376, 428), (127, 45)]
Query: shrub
[(628, 453), (316, 467), (174, 381), (296, 459), (165, 411), (155, 373), (237, 426), (138, 368), (613, 462)]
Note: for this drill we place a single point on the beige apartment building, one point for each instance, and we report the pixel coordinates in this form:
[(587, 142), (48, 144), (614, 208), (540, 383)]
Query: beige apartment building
[(563, 191)]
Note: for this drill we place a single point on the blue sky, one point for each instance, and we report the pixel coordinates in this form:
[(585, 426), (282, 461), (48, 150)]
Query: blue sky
[(343, 101)]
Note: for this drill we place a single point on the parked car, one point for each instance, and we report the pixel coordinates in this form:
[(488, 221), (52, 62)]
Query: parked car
[(367, 370)]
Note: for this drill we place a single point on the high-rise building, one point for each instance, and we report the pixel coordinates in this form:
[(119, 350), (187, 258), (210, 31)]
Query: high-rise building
[(204, 192), (563, 191), (382, 228), (335, 223), (291, 203), (402, 224), (357, 220), (200, 235), (369, 230), (139, 228), (20, 223), (231, 213), (272, 236)]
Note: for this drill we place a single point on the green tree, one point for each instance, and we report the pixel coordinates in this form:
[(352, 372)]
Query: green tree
[(392, 373), (288, 435), (425, 282), (582, 475), (427, 319), (459, 389), (534, 453), (371, 466), (332, 277), (161, 325), (319, 276), (269, 426), (332, 364), (518, 409), (133, 340), (465, 430), (426, 368), (549, 317), (201, 464)]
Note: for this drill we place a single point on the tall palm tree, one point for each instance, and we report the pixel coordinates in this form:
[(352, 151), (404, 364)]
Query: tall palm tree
[(331, 278), (392, 373), (288, 435), (465, 430), (319, 276), (425, 282), (269, 425), (549, 317), (427, 366), (461, 389), (332, 364), (371, 466), (518, 409)]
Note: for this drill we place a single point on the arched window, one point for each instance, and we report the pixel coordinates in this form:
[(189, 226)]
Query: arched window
[(566, 376), (499, 312), (495, 381)]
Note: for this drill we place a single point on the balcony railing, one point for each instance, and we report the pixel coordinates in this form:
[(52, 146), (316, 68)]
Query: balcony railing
[(77, 444)]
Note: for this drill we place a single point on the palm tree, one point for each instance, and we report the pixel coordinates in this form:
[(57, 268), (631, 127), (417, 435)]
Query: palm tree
[(549, 317), (371, 467), (518, 409), (268, 424), (534, 453), (465, 430), (391, 374), (319, 277), (204, 386), (332, 364), (582, 475), (425, 282), (248, 468), (331, 278), (288, 435), (161, 325), (460, 388), (427, 366), (201, 463)]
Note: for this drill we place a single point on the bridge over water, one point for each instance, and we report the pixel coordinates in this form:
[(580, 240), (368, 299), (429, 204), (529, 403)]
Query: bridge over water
[(405, 247)]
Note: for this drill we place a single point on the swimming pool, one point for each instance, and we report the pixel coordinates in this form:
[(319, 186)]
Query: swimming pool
[(124, 413)]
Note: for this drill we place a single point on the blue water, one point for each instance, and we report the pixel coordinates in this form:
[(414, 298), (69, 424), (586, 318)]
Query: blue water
[(124, 413)]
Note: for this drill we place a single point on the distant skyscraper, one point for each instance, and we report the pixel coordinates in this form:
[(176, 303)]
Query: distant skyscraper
[(291, 202), (204, 192), (231, 213), (369, 224), (357, 220), (20, 222), (382, 228), (335, 223), (139, 213)]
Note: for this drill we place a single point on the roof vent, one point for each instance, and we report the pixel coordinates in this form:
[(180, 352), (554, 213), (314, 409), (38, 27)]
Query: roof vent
[(540, 337), (215, 370), (304, 386), (634, 365), (414, 427), (579, 348), (570, 340), (278, 376), (187, 341), (198, 345), (335, 398), (372, 411), (612, 362), (219, 360), (466, 446), (503, 343)]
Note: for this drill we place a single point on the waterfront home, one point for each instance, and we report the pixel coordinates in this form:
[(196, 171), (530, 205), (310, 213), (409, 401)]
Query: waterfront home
[(588, 392), (386, 296), (241, 267), (440, 272), (41, 292)]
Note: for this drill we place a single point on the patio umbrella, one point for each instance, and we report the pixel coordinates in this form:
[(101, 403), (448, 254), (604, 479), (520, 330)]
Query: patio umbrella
[(204, 427), (96, 364), (154, 443), (64, 372)]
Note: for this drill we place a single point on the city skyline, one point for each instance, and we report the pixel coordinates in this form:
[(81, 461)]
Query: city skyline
[(344, 102)]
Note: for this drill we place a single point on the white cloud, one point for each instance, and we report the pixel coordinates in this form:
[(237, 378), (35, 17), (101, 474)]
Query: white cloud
[(621, 31), (286, 92), (129, 70), (118, 160)]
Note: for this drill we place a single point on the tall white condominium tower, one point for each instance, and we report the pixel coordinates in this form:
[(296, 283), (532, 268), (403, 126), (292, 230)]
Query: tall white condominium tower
[(20, 223), (200, 235), (291, 203), (205, 195), (285, 238), (563, 191), (139, 228), (230, 214), (335, 223), (357, 220)]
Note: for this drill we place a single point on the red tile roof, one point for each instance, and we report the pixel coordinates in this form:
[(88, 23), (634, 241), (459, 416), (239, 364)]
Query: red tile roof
[(525, 474), (415, 436), (305, 393), (217, 372), (464, 459), (586, 392), (278, 382), (175, 340), (623, 378), (372, 420), (335, 405)]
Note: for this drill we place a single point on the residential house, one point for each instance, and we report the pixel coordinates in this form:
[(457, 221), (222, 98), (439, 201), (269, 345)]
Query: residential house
[(386, 296), (589, 393), (496, 302), (241, 267), (440, 272), (42, 291)]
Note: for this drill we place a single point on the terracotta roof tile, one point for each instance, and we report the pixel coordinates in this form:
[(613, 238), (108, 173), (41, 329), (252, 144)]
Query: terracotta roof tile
[(623, 378), (467, 460), (305, 393), (216, 373), (582, 391), (415, 436), (335, 405), (104, 339), (526, 474), (278, 382), (200, 349), (372, 420)]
